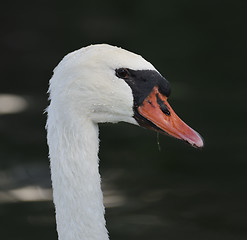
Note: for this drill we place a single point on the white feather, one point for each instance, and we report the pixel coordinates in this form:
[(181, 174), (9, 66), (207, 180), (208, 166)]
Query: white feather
[(84, 91)]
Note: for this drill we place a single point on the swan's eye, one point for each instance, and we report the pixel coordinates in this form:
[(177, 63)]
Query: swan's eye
[(122, 73)]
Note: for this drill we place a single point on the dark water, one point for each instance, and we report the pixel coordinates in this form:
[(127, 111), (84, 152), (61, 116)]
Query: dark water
[(176, 193)]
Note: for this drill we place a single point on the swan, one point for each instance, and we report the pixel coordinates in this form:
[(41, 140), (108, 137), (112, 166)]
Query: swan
[(95, 84)]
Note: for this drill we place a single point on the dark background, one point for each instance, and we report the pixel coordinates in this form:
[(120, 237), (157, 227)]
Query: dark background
[(176, 193)]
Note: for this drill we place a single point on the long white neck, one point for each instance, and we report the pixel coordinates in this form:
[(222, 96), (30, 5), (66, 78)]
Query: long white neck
[(78, 198)]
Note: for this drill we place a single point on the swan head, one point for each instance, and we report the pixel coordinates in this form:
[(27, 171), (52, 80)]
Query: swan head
[(104, 83)]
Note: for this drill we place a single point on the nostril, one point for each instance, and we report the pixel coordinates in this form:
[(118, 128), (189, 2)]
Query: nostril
[(162, 105)]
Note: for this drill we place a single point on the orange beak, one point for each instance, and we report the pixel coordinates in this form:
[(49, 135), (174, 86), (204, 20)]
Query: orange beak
[(157, 110)]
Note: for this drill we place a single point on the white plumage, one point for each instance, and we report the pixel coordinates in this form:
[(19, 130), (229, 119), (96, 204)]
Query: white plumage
[(85, 91)]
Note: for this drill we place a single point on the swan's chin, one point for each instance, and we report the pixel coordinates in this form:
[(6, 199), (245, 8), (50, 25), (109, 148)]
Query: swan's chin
[(156, 113), (111, 118)]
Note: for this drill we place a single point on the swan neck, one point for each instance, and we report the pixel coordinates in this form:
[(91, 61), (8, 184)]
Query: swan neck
[(76, 185)]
